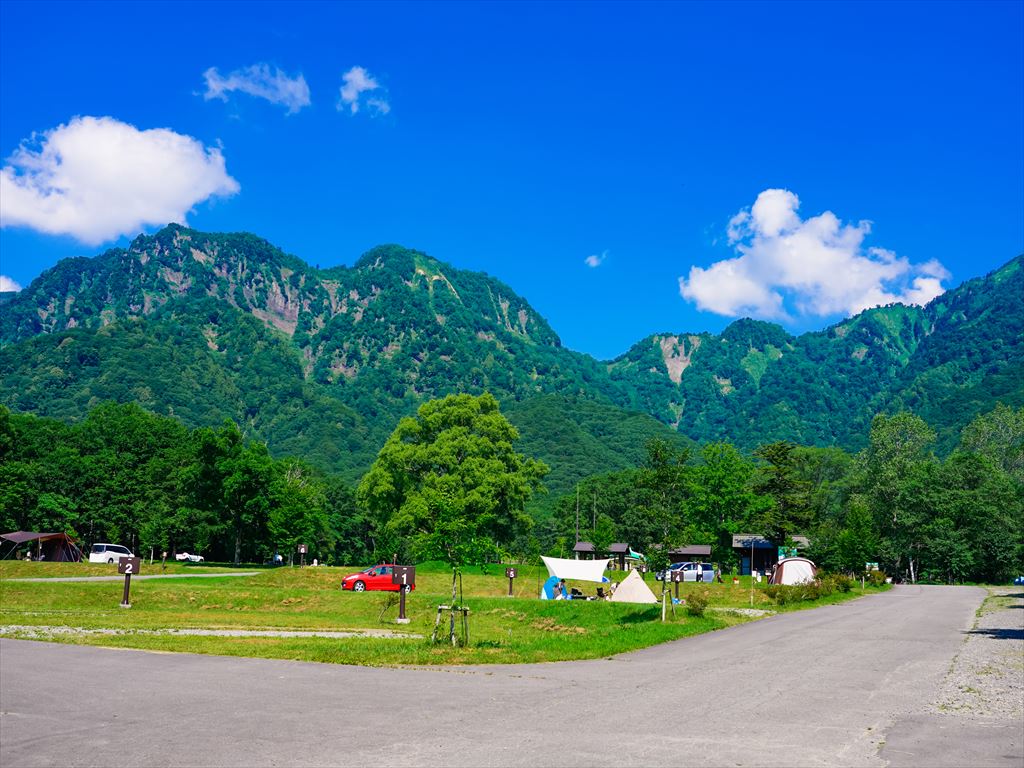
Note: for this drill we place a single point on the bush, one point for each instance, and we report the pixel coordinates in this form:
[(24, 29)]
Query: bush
[(876, 578), (795, 593), (834, 582), (697, 603)]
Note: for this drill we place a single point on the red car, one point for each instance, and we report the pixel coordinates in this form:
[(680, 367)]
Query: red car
[(376, 578)]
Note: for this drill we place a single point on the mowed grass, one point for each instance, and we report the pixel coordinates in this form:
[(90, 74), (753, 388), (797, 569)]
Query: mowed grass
[(502, 629)]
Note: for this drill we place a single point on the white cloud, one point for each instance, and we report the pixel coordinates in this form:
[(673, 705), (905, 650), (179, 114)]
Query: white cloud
[(787, 266), (596, 259), (97, 178), (355, 83), (259, 81), (6, 284)]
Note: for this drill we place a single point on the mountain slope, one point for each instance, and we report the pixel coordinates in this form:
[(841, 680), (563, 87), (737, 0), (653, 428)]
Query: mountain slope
[(322, 363)]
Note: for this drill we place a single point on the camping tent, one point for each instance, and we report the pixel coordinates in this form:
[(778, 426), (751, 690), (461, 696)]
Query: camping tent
[(794, 570), (633, 590), (578, 570), (54, 547)]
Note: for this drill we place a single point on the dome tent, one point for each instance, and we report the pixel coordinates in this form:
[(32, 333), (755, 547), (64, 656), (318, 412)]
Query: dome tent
[(794, 570)]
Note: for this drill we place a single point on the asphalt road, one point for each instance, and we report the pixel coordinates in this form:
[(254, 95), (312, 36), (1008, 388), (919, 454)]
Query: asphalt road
[(820, 687)]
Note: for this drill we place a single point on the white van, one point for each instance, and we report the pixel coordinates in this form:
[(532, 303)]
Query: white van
[(108, 553)]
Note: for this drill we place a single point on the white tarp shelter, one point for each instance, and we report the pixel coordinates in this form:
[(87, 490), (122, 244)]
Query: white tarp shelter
[(579, 570), (794, 570), (633, 590)]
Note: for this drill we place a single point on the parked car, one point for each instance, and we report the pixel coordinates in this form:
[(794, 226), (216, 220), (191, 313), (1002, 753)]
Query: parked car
[(108, 553), (691, 571), (190, 558), (376, 578)]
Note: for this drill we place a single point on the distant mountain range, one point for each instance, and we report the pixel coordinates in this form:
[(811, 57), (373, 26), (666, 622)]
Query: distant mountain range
[(322, 363)]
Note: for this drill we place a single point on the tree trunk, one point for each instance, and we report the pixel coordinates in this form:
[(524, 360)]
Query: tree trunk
[(913, 576), (238, 546)]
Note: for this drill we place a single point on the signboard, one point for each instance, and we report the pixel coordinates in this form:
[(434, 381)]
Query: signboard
[(676, 576), (510, 573), (404, 575), (128, 565), (303, 549), (870, 566)]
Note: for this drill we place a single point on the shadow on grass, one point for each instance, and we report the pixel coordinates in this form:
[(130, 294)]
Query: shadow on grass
[(1000, 634), (639, 617)]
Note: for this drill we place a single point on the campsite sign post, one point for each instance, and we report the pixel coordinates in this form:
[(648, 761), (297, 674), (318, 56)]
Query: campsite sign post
[(303, 549), (405, 577), (510, 574), (127, 566), (677, 576)]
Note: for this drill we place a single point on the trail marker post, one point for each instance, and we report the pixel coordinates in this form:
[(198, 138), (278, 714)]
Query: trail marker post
[(510, 574), (127, 566), (405, 577), (303, 549)]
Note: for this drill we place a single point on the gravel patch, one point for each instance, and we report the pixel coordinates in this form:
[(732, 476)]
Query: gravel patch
[(31, 632), (986, 679), (756, 612)]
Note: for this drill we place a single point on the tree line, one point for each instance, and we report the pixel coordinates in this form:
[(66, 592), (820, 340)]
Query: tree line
[(449, 484)]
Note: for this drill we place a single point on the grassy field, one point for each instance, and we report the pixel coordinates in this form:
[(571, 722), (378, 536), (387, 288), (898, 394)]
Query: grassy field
[(502, 629)]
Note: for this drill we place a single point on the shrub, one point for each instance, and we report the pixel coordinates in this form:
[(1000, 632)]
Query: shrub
[(697, 603), (876, 578)]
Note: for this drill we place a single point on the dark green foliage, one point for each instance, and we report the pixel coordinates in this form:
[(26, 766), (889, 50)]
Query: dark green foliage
[(128, 476)]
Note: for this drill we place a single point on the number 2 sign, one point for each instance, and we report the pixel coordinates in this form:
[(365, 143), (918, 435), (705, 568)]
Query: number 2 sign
[(127, 566)]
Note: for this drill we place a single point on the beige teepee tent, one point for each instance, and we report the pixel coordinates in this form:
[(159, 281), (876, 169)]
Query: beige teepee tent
[(633, 590)]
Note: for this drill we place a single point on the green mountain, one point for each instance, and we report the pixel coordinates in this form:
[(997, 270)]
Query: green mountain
[(323, 363)]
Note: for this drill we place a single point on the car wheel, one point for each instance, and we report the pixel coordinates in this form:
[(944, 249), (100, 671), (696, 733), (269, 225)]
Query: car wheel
[(359, 587), (110, 561)]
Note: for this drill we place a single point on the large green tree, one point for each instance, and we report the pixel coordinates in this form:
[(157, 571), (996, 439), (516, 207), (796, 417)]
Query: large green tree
[(451, 480)]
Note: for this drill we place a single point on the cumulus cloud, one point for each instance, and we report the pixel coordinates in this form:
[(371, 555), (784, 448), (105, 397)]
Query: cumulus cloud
[(97, 178), (596, 259), (355, 83), (7, 285), (787, 266), (259, 81)]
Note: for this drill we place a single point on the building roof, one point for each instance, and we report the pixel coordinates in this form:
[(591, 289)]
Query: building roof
[(583, 546), (619, 548), (692, 550), (746, 540)]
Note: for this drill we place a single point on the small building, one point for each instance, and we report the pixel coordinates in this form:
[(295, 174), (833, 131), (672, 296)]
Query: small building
[(757, 552), (697, 553), (619, 552), (584, 548)]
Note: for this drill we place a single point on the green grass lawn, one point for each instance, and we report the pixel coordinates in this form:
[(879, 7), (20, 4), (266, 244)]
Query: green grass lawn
[(502, 629)]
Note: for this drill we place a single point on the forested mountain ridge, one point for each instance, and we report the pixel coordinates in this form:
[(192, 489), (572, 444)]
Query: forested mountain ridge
[(322, 363), (949, 360)]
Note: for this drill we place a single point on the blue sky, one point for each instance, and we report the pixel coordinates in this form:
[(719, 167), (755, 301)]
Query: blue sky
[(693, 150)]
